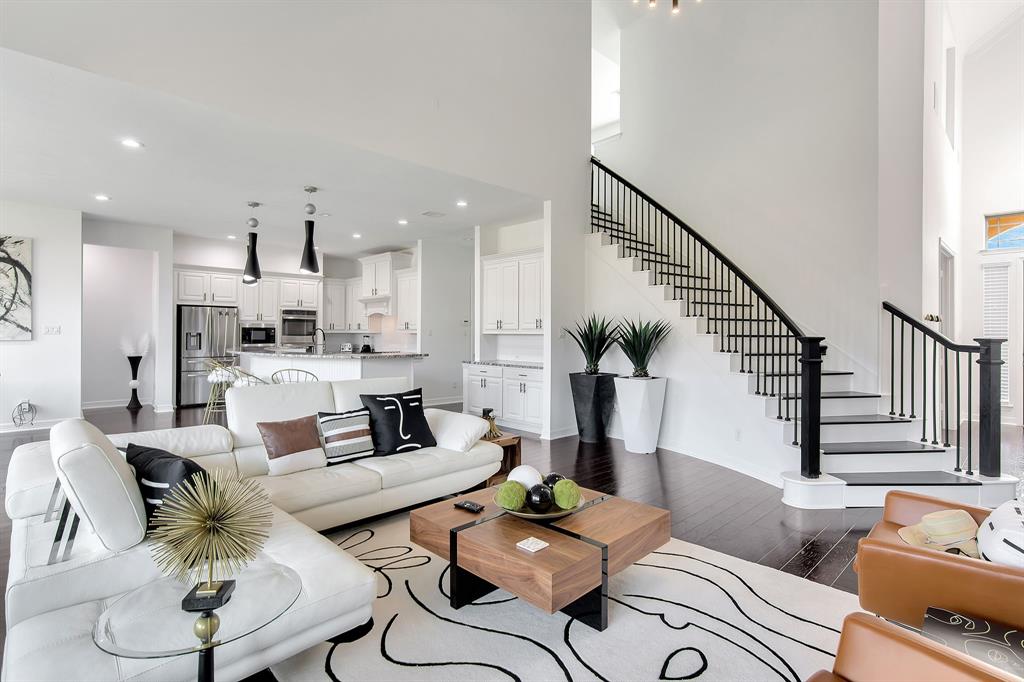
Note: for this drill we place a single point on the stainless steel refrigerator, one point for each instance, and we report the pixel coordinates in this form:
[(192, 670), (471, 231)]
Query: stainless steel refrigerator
[(204, 333)]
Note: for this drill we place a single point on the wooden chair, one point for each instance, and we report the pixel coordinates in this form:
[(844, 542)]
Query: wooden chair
[(292, 376)]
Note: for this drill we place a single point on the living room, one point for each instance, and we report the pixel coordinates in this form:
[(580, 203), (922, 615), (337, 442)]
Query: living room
[(484, 390)]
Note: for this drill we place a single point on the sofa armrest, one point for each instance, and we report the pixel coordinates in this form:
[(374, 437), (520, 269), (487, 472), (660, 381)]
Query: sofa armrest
[(900, 582), (454, 430), (906, 509)]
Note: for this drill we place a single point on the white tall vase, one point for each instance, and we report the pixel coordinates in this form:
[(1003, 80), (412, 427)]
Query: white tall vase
[(640, 403)]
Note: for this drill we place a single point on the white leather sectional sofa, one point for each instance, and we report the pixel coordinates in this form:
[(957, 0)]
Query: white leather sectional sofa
[(51, 608)]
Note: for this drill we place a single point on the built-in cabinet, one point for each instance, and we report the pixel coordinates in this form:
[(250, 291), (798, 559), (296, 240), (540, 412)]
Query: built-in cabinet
[(376, 280), (516, 394), (299, 293), (259, 302), (407, 301), (356, 318), (512, 294), (334, 318), (208, 288)]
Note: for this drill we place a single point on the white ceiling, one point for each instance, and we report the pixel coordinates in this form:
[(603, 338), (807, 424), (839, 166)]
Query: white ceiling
[(975, 20), (60, 132)]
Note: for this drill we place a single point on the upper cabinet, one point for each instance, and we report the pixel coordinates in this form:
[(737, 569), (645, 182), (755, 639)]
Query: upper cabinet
[(379, 271), (356, 319), (206, 288), (334, 305), (259, 302), (512, 294), (298, 293), (407, 301)]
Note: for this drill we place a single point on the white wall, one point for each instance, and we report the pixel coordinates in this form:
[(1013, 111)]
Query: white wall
[(48, 369), (229, 254), (119, 303), (757, 124), (496, 239), (158, 240), (993, 182), (446, 303)]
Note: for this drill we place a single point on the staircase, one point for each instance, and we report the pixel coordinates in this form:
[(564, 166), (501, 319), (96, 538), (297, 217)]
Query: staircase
[(847, 447)]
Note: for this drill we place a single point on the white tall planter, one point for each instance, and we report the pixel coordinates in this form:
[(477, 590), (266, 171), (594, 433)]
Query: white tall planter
[(640, 402)]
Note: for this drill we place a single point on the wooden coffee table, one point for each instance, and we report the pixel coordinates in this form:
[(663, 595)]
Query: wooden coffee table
[(570, 575)]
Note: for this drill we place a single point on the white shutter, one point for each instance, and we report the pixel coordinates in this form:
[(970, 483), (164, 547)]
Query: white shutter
[(995, 324)]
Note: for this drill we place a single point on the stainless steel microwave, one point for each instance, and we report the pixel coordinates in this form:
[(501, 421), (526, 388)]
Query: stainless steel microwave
[(297, 325), (259, 336)]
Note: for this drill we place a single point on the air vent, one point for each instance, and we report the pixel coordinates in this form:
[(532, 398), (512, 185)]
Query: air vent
[(432, 214)]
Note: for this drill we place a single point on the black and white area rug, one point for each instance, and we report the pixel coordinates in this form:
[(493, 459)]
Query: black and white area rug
[(682, 613)]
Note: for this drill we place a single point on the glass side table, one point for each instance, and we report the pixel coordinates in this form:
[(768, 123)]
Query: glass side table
[(149, 623)]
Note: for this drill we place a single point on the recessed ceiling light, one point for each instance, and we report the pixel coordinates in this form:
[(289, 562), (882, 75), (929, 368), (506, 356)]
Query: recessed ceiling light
[(231, 236), (102, 197), (356, 235), (462, 203), (403, 221), (132, 143)]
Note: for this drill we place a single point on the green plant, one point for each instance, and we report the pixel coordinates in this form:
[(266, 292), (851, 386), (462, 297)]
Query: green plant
[(638, 341), (595, 337)]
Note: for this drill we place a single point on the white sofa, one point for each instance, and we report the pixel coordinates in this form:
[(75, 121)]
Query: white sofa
[(50, 609)]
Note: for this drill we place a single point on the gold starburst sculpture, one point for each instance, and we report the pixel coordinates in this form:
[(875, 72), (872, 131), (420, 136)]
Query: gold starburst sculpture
[(213, 523)]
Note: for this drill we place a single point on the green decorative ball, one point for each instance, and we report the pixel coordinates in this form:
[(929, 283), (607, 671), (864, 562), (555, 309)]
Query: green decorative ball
[(567, 494), (511, 495)]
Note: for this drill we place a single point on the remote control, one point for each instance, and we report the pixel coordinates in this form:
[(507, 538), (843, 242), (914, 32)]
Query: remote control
[(470, 506)]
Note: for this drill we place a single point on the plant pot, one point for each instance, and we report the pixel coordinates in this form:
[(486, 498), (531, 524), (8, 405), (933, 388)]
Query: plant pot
[(593, 396), (640, 402)]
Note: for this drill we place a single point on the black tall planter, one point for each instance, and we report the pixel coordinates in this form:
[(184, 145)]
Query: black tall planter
[(133, 362), (593, 396)]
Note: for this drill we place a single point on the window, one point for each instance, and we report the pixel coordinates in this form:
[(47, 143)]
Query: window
[(995, 283), (1004, 231)]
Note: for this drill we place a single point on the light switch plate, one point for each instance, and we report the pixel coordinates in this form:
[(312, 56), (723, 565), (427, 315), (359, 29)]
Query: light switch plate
[(52, 330)]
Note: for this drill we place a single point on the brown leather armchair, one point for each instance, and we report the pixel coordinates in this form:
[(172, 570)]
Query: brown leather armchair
[(872, 650), (899, 581)]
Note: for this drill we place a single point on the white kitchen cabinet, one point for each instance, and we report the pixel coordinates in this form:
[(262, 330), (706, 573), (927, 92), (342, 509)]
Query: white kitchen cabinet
[(249, 303), (484, 392), (512, 402), (407, 301), (512, 294), (515, 394), (334, 306), (270, 299), (207, 288), (522, 400), (490, 288), (533, 402), (531, 293), (298, 293), (355, 311), (259, 302), (224, 289), (308, 294), (376, 280)]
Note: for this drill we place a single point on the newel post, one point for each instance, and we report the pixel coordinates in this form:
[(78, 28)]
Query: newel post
[(811, 352), (990, 376)]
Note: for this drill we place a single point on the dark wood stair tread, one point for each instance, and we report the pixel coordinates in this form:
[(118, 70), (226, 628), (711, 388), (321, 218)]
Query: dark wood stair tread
[(905, 478), (760, 320), (879, 447), (836, 395), (765, 336), (862, 418)]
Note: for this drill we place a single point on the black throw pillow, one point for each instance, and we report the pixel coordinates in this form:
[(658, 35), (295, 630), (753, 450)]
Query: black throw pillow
[(397, 422), (157, 472)]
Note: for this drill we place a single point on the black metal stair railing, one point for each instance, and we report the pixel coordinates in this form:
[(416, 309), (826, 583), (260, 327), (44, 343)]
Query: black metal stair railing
[(786, 362), (917, 387)]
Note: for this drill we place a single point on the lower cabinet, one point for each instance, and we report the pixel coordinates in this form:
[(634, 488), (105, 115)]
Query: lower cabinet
[(515, 394), (483, 392)]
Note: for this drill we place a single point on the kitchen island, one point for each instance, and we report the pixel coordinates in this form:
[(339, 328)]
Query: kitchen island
[(330, 366)]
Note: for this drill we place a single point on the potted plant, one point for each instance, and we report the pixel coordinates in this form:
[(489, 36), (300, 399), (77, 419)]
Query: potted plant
[(641, 397), (593, 392)]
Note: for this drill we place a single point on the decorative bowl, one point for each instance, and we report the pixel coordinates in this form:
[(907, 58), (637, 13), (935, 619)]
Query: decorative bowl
[(525, 513)]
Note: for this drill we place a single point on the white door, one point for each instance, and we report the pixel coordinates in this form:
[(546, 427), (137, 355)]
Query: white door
[(224, 289), (512, 399), (192, 287), (307, 294), (490, 293), (509, 302), (531, 293), (290, 293), (270, 299), (533, 402), (947, 291), (249, 303)]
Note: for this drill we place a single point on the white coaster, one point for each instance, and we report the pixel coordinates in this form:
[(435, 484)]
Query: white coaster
[(532, 544)]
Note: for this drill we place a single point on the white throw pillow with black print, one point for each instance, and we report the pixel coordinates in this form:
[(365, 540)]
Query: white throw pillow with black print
[(397, 422), (346, 436), (1001, 535)]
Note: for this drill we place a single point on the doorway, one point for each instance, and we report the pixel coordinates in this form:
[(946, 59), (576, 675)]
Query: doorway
[(947, 291)]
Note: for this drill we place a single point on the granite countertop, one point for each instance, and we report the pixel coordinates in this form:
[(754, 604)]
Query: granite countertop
[(332, 355), (506, 363)]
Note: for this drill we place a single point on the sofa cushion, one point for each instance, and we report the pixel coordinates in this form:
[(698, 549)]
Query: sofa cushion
[(454, 430), (397, 422), (247, 405), (157, 472), (99, 483), (187, 441), (30, 479), (345, 435), (315, 487), (410, 467), (346, 393), (292, 445)]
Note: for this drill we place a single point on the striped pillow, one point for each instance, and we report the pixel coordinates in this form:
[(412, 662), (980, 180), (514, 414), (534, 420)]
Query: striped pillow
[(346, 435), (1001, 535)]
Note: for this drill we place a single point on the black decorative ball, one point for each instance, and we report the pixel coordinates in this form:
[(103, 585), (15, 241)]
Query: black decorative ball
[(551, 479), (539, 498)]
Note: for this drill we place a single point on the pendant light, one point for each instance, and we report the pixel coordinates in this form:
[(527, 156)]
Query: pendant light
[(309, 264), (252, 274)]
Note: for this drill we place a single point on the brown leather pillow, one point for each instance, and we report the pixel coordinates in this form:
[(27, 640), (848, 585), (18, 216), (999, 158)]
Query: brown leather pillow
[(292, 445)]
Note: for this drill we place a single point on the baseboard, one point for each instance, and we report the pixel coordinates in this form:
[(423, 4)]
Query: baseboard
[(163, 408), (118, 402), (564, 432), (39, 425)]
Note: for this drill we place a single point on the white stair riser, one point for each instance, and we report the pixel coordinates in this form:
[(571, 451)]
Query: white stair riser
[(921, 461), (828, 492), (829, 406), (735, 326), (850, 433), (829, 382), (874, 496)]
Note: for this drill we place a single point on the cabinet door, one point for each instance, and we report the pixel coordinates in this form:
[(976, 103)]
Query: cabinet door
[(249, 303), (192, 287), (474, 394), (531, 293), (509, 301), (412, 309), (270, 299), (308, 294), (382, 278), (512, 399), (369, 281), (290, 293), (334, 306), (492, 395), (490, 293), (224, 289), (533, 402)]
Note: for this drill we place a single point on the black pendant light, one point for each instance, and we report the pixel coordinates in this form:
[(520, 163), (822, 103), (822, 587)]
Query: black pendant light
[(309, 264), (252, 273)]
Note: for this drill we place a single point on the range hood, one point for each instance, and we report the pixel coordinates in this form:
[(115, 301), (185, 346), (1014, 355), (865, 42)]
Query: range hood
[(376, 305)]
